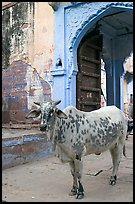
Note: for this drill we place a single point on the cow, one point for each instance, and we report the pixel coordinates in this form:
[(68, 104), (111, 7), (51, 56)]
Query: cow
[(76, 133), (129, 116), (129, 128)]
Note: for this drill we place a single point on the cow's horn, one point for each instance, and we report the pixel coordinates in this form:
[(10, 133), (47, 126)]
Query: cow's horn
[(37, 103), (57, 102)]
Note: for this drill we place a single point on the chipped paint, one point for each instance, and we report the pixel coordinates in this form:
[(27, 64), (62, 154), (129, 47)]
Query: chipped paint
[(27, 36)]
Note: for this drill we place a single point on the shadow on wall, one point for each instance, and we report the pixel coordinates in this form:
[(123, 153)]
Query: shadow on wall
[(21, 86)]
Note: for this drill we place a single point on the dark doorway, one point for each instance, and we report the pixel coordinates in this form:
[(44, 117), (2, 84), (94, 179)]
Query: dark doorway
[(89, 72)]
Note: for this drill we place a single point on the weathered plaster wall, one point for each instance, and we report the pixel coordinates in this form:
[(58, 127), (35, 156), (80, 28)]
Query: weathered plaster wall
[(28, 35), (128, 80), (43, 38), (27, 30)]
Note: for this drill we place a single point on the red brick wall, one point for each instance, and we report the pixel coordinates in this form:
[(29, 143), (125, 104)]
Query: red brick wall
[(17, 89)]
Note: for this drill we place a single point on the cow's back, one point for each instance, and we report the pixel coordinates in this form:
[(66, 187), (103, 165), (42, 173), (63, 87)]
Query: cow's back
[(100, 118), (112, 112)]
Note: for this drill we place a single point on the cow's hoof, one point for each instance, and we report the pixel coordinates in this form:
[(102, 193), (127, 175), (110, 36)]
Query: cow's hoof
[(113, 180), (72, 193), (79, 195)]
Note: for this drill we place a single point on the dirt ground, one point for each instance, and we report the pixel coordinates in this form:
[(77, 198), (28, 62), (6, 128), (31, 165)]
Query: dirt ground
[(48, 180)]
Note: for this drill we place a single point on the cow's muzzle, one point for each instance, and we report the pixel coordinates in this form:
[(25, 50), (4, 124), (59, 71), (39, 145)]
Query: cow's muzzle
[(43, 127)]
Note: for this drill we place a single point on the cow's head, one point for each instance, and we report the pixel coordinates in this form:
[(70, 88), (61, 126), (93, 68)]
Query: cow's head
[(47, 111)]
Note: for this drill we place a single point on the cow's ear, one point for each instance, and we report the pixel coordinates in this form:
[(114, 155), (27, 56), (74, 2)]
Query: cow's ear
[(33, 113), (60, 114)]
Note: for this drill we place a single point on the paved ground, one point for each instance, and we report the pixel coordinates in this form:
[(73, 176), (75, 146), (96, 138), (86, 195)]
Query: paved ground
[(48, 180)]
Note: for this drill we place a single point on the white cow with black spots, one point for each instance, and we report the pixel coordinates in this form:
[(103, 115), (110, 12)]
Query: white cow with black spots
[(76, 133)]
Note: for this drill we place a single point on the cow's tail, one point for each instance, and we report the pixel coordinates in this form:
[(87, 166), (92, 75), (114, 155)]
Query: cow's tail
[(124, 151)]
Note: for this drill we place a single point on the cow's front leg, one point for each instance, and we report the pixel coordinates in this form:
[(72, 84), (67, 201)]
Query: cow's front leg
[(78, 173), (74, 188)]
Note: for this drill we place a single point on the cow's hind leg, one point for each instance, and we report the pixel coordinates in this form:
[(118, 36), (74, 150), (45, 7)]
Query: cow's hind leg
[(116, 153)]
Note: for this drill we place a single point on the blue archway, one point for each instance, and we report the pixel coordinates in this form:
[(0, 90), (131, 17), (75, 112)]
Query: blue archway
[(72, 22)]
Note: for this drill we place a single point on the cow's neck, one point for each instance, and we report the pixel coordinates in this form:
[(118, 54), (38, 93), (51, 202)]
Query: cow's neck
[(59, 135), (52, 123), (55, 131)]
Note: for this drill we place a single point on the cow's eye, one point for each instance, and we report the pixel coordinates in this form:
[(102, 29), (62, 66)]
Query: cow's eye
[(51, 112)]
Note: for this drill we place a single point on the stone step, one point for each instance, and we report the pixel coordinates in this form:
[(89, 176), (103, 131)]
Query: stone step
[(19, 149)]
